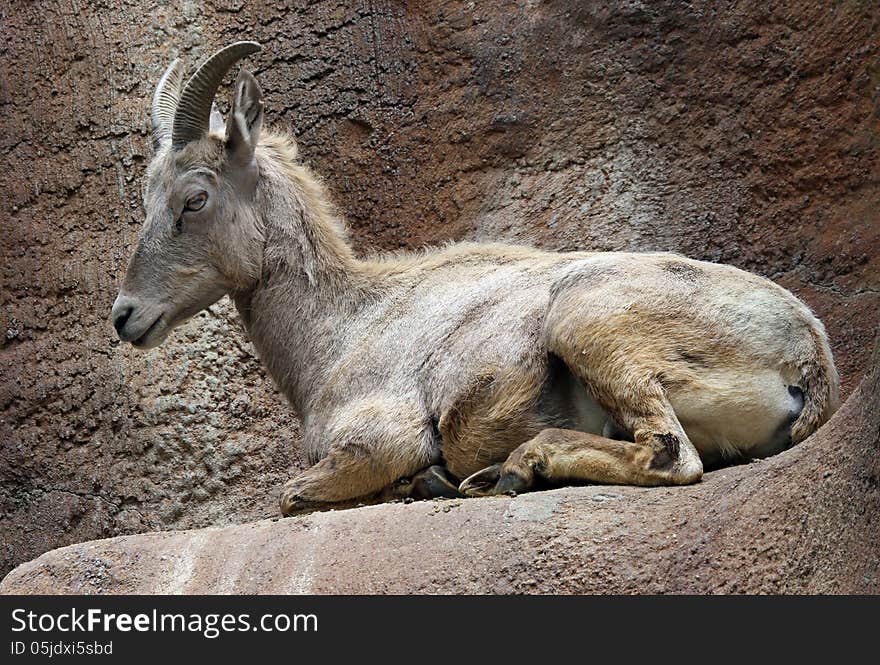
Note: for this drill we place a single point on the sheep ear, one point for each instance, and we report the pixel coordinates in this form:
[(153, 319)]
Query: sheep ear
[(216, 124), (245, 118)]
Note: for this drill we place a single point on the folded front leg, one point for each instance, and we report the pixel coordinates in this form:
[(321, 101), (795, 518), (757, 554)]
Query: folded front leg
[(367, 446)]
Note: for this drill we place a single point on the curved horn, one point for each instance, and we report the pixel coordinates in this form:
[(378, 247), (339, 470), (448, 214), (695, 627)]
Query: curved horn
[(193, 114), (165, 102)]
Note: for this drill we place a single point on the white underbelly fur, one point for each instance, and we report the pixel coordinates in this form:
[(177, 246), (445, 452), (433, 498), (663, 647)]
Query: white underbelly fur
[(734, 412), (729, 413)]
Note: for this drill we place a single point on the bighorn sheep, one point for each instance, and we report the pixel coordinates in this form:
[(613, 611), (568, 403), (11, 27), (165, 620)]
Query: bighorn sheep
[(475, 368)]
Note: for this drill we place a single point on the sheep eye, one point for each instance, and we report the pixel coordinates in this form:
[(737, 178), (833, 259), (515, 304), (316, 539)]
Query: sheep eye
[(196, 202)]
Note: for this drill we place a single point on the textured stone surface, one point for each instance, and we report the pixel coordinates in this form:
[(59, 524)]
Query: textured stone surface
[(805, 521), (736, 132)]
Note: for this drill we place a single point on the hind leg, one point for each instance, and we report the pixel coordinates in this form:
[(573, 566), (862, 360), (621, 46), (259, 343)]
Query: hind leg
[(632, 393), (661, 453), (560, 456)]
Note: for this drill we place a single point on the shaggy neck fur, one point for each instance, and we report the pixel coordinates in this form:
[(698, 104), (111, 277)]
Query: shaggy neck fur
[(311, 282)]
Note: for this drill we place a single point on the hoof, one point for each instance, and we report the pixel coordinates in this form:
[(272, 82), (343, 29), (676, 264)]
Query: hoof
[(511, 483), (492, 481), (482, 483), (433, 483), (291, 504)]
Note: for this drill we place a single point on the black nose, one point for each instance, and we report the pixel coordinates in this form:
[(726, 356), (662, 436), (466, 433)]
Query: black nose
[(121, 317)]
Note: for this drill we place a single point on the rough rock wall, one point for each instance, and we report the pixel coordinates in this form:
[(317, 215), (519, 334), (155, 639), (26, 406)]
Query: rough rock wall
[(732, 132)]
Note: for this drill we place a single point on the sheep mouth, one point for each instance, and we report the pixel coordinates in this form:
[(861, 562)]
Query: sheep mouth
[(142, 342)]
